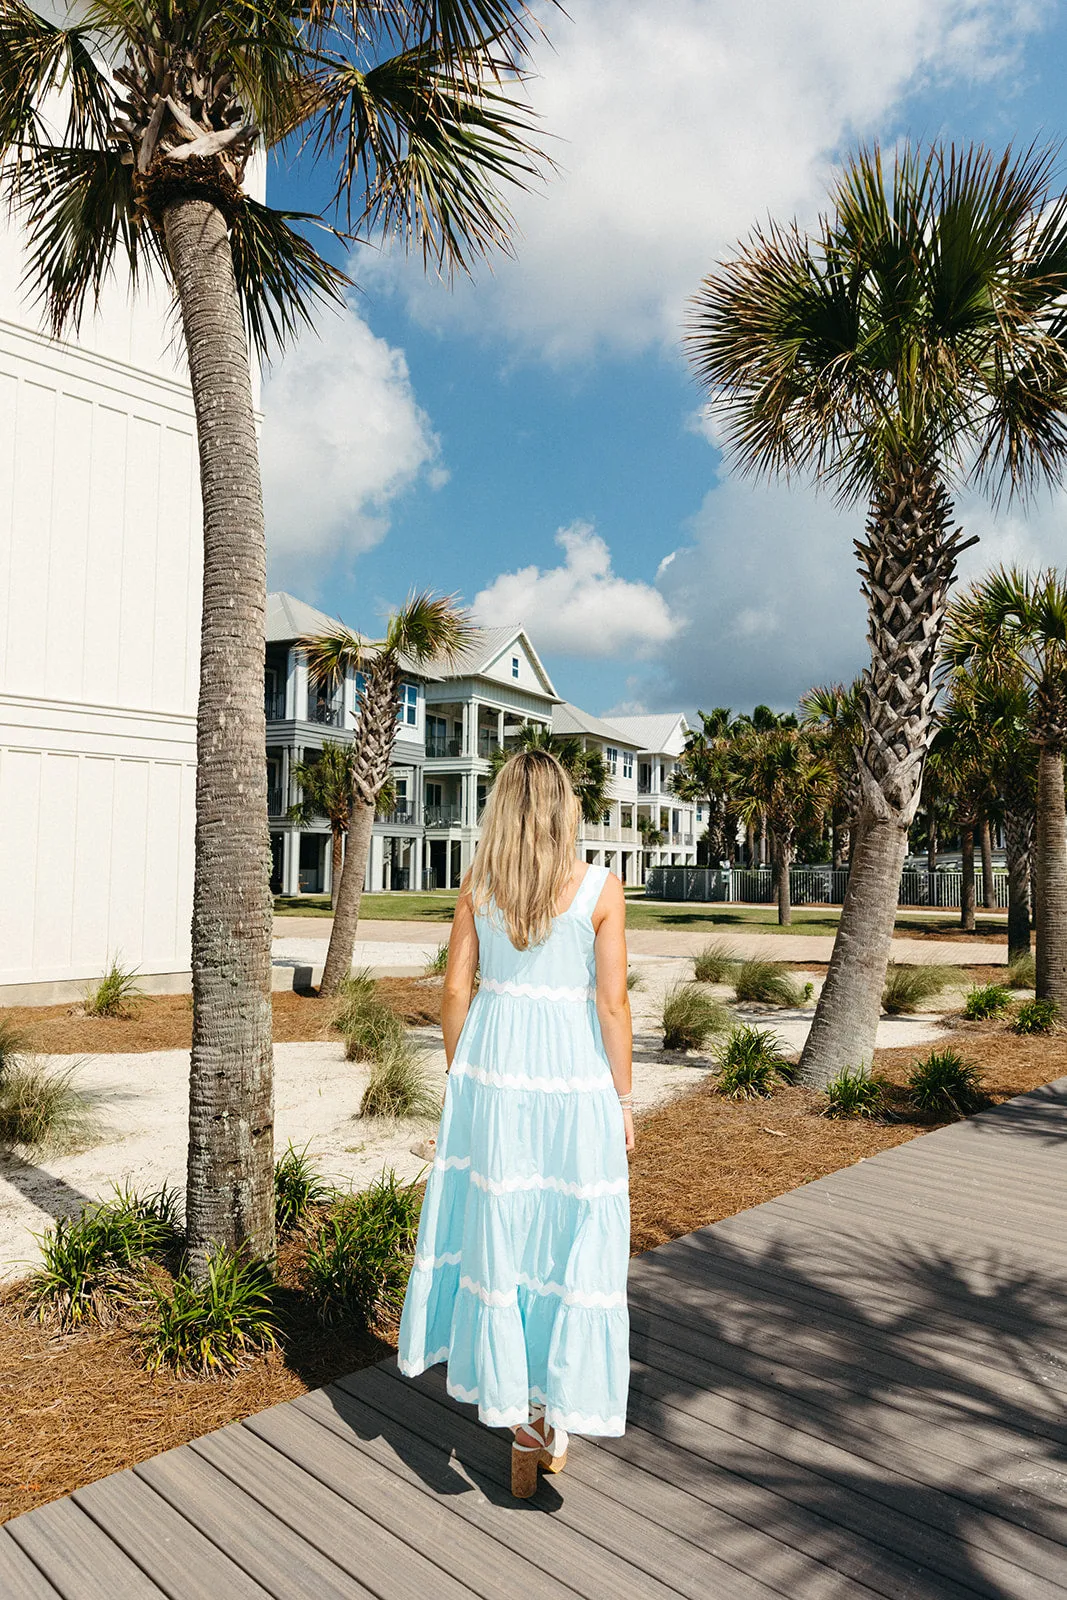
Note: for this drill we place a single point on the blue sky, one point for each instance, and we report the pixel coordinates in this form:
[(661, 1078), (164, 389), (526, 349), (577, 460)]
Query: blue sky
[(534, 441)]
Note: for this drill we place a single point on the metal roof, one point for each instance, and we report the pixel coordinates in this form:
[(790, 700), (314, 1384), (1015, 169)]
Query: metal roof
[(568, 719), (657, 733)]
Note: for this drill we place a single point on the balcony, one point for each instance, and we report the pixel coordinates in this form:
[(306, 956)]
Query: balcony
[(276, 806), (398, 819), (274, 706), (321, 711), (437, 748), (487, 743), (444, 816)]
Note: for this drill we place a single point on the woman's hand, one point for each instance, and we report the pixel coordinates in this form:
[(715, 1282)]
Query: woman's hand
[(628, 1124)]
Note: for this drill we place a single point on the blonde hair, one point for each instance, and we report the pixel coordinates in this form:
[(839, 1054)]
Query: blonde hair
[(526, 854)]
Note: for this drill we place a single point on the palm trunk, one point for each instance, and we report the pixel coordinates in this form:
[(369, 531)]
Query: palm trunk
[(750, 845), (1051, 872), (989, 899), (967, 877), (336, 865), (1018, 834), (908, 564), (783, 853), (349, 895), (931, 847), (230, 1196)]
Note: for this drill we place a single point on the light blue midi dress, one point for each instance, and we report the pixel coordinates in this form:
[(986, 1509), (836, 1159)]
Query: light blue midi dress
[(519, 1280)]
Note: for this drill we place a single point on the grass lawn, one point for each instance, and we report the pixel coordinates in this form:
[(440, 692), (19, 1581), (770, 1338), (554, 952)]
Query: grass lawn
[(438, 906)]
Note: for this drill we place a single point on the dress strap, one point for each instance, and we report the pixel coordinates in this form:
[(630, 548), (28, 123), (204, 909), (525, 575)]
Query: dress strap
[(584, 902)]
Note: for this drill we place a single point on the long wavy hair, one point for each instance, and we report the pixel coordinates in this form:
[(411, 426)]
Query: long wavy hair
[(526, 853)]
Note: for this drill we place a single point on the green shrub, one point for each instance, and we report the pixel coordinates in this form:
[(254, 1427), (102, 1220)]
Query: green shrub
[(40, 1107), (358, 1266), (1022, 972), (990, 1000), (690, 1017), (751, 1064), (14, 1044), (1037, 1016), (374, 1033), (111, 997), (716, 963), (357, 991), (767, 983), (943, 1082), (88, 1260), (399, 1084), (297, 1189), (908, 987), (201, 1328), (854, 1094), (435, 967)]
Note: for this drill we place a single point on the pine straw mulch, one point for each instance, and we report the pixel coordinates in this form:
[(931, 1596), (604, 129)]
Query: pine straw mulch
[(77, 1406), (164, 1021)]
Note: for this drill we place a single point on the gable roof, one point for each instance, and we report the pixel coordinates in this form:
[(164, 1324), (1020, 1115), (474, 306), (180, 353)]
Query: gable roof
[(488, 645), (289, 619), (655, 733), (568, 719)]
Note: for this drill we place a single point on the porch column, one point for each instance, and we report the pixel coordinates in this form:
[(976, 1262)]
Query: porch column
[(466, 710), (500, 728), (291, 861)]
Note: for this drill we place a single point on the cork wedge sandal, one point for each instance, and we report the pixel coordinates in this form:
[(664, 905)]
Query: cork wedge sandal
[(534, 1451)]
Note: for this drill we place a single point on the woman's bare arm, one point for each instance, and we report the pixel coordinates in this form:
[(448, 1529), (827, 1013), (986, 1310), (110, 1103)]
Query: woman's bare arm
[(459, 974), (612, 995)]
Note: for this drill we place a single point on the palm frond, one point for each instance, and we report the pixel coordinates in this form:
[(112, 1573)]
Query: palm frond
[(330, 655), (428, 627), (281, 277), (40, 62)]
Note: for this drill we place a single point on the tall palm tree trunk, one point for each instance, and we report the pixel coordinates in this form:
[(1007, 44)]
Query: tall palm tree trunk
[(336, 864), (967, 877), (989, 899), (907, 563), (1018, 837), (783, 855), (1051, 873), (931, 850), (349, 896), (230, 1197)]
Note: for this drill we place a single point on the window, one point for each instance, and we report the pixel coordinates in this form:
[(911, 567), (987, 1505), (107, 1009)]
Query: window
[(407, 710), (627, 763), (514, 666), (434, 795), (611, 756)]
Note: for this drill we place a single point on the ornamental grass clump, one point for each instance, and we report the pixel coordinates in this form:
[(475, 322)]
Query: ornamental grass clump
[(767, 983), (90, 1261), (988, 1000), (435, 967), (634, 979), (1036, 1016), (298, 1189), (716, 963), (14, 1044), (199, 1328), (691, 1017), (41, 1108), (943, 1084), (854, 1094), (114, 995), (358, 1265), (907, 987), (1022, 972), (751, 1064), (399, 1084), (371, 1029)]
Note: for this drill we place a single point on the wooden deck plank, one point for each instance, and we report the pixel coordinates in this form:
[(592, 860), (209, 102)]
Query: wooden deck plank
[(489, 1569), (287, 1566), (338, 1529), (77, 1558), (169, 1548), (18, 1575)]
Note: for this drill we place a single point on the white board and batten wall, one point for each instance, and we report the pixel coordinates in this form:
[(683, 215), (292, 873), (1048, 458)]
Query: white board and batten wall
[(100, 575)]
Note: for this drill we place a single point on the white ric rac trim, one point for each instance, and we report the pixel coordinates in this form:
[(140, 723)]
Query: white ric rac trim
[(595, 1300), (572, 1421), (451, 1258), (580, 1191), (536, 991), (522, 1080), (411, 1369)]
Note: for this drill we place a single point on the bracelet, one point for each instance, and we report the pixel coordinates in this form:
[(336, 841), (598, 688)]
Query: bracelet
[(626, 1100)]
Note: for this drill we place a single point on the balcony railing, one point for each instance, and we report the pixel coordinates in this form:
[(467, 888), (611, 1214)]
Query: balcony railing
[(487, 743), (443, 816), (319, 711), (275, 802), (399, 819), (274, 705), (437, 747)]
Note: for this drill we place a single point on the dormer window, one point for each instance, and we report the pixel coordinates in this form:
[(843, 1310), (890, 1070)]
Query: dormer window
[(514, 666)]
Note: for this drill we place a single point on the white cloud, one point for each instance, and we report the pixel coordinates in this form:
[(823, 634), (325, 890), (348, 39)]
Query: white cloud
[(677, 124), (343, 436), (581, 608)]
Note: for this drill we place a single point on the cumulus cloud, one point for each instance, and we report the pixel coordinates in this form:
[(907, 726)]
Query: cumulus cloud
[(679, 123), (343, 436), (582, 608)]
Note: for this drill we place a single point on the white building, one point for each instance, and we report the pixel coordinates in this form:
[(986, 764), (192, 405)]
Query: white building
[(100, 574), (669, 824)]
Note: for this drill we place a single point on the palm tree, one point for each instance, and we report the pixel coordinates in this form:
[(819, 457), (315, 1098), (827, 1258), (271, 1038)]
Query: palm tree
[(1013, 625), (961, 762), (915, 340), (705, 772), (586, 769), (783, 776), (326, 791), (836, 710), (427, 628), (417, 108)]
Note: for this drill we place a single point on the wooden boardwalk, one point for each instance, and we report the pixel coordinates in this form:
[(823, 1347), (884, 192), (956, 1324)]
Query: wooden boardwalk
[(859, 1388)]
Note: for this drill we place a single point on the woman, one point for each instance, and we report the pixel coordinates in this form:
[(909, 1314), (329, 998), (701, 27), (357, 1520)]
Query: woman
[(520, 1269)]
